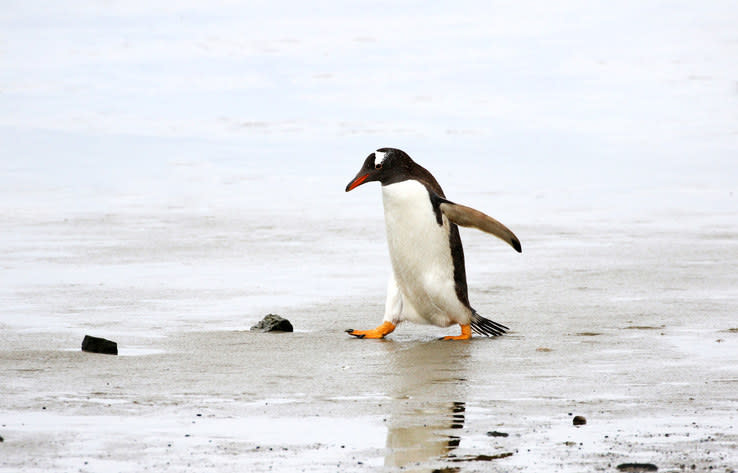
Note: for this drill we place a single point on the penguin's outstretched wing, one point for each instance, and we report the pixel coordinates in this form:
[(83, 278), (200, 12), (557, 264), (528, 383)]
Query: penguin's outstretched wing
[(469, 217)]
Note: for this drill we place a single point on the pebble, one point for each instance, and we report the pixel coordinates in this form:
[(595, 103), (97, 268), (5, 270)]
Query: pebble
[(637, 467), (99, 345), (273, 323)]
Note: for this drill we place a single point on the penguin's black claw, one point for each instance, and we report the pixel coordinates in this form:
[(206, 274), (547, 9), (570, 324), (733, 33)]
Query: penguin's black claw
[(357, 335)]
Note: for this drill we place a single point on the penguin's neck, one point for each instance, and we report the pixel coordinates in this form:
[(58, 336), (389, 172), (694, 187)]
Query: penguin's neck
[(403, 200)]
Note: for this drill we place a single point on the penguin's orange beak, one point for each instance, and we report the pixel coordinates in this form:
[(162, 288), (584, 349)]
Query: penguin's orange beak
[(358, 180)]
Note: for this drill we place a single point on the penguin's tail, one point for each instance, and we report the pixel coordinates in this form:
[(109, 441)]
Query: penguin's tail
[(486, 327)]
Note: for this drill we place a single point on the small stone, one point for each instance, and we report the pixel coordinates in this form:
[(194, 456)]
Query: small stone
[(273, 323), (579, 420), (495, 433), (99, 345), (637, 467)]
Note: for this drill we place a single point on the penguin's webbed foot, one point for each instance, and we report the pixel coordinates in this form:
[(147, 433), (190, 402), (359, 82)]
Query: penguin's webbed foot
[(466, 334), (355, 333), (379, 332)]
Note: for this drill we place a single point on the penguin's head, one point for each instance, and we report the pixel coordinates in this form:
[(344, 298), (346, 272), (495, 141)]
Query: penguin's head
[(384, 165)]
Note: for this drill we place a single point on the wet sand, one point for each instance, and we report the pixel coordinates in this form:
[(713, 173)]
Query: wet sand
[(638, 335)]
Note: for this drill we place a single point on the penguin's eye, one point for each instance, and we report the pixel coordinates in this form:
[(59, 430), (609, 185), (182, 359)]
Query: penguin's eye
[(378, 166)]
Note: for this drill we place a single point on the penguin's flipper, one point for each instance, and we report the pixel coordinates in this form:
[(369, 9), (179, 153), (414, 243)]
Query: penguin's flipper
[(469, 217)]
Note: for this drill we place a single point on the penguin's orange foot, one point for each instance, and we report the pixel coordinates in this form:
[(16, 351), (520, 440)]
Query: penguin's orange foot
[(379, 332), (465, 334)]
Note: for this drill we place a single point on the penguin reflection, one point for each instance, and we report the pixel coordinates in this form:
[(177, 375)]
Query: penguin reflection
[(416, 444), (428, 407)]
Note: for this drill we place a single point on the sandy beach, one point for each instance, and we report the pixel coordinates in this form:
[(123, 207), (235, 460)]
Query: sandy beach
[(629, 336)]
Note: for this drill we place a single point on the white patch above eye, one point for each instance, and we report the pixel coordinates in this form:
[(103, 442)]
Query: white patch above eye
[(379, 157)]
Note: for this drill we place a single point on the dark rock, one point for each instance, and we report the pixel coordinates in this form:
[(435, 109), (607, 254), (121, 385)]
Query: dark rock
[(481, 458), (99, 345), (495, 433), (637, 467), (273, 323), (579, 420)]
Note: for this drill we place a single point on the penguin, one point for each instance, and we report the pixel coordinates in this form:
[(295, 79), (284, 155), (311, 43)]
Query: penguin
[(428, 279)]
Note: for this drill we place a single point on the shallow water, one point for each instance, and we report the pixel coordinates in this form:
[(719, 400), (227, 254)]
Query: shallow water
[(171, 175)]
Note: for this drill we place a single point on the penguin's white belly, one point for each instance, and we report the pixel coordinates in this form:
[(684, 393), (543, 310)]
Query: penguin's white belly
[(421, 256)]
